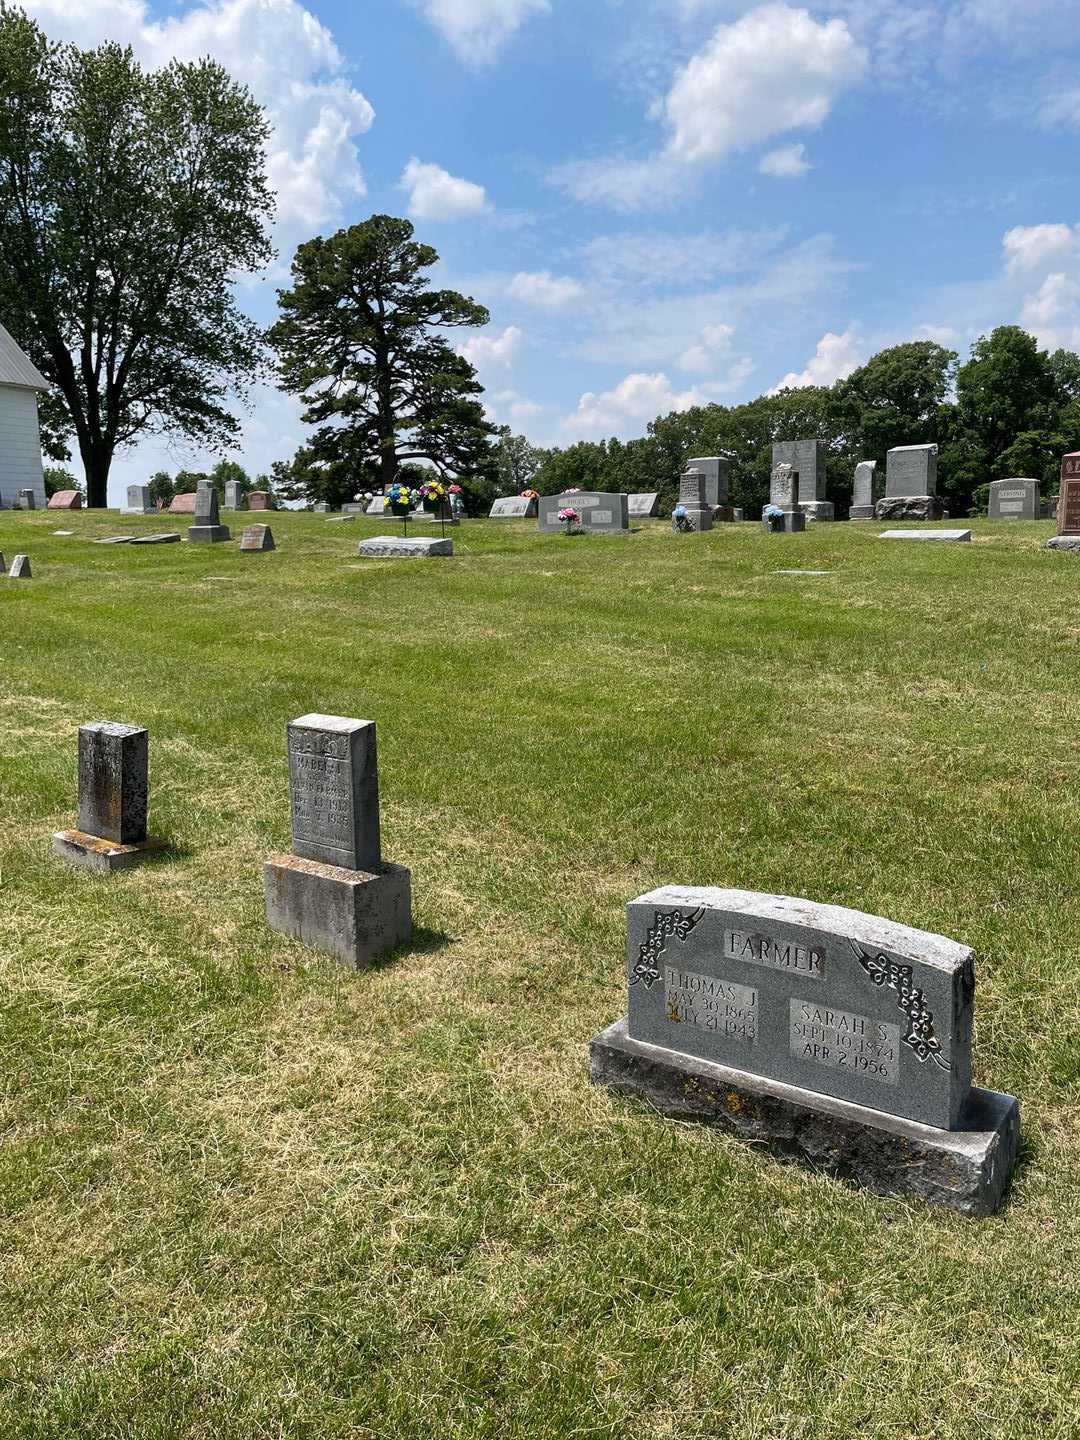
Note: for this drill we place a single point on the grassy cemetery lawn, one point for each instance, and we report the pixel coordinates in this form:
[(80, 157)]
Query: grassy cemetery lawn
[(245, 1192)]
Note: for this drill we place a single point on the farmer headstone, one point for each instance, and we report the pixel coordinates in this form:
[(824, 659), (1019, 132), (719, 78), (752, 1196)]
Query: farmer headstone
[(911, 485), (644, 505), (693, 501), (867, 491), (65, 500), (207, 529), (816, 1028), (20, 568), (514, 507), (138, 500), (1015, 500), (334, 890), (601, 512), (114, 790), (256, 538), (807, 460), (234, 495)]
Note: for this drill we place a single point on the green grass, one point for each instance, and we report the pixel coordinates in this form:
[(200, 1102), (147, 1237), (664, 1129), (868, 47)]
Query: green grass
[(245, 1192)]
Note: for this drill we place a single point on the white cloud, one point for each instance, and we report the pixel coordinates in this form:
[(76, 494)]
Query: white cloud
[(1029, 247), (660, 258), (547, 291), (786, 163), (629, 407), (435, 194), (276, 47), (773, 70), (834, 359), (489, 350), (1052, 313), (1061, 107), (507, 407), (702, 356), (477, 29)]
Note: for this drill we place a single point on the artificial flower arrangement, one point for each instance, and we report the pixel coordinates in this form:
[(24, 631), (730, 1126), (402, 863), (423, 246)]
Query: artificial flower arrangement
[(678, 518), (570, 518), (530, 494), (433, 493), (456, 490), (772, 517), (400, 498)]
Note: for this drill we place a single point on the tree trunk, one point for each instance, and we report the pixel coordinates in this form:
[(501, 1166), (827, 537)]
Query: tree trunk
[(97, 461)]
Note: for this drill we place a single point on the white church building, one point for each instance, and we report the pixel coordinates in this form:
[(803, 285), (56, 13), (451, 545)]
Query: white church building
[(20, 440)]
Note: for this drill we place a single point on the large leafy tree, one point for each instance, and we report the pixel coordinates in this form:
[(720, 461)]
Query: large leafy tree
[(899, 397), (129, 201), (360, 339)]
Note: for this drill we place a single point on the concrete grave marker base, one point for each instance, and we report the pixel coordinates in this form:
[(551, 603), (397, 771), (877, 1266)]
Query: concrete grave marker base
[(966, 1169), (208, 534), (925, 535), (353, 914), (395, 545), (91, 852)]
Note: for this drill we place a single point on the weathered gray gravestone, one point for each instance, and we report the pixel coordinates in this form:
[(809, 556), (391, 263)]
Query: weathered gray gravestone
[(20, 568), (839, 1035), (114, 791), (807, 460), (256, 538), (514, 507), (784, 488), (234, 495), (693, 497), (335, 891), (910, 485), (645, 505), (138, 500), (601, 512), (1015, 500), (26, 500), (717, 472), (391, 547), (867, 491), (207, 529)]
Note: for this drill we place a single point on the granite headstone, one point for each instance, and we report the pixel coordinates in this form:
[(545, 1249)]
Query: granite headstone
[(601, 512), (644, 505), (867, 491), (807, 460), (1016, 499), (114, 792), (514, 507)]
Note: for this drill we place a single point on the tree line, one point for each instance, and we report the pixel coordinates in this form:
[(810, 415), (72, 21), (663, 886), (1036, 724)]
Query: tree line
[(130, 201)]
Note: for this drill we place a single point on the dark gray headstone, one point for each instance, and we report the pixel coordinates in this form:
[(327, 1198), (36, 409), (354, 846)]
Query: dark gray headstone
[(334, 791), (911, 470), (831, 1000), (694, 489), (599, 511), (1015, 500), (207, 509), (114, 781), (717, 472)]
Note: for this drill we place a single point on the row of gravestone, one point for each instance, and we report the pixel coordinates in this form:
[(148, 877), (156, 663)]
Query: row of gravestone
[(841, 1036)]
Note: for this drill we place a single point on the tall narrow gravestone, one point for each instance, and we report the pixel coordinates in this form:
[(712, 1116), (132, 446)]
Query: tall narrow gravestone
[(717, 472), (1068, 510), (835, 1034), (807, 460), (784, 490), (867, 491), (138, 500), (335, 891), (207, 529), (234, 495), (911, 485), (693, 497), (114, 791)]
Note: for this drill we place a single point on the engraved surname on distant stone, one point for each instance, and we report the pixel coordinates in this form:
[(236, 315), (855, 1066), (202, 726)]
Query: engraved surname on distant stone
[(775, 954), (840, 1040), (719, 1006)]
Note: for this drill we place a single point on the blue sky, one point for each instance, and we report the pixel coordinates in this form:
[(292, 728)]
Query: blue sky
[(661, 202)]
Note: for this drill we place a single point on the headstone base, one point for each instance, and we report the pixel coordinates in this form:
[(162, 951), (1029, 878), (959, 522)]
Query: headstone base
[(861, 512), (208, 534), (818, 509), (1064, 542), (723, 515), (910, 507), (91, 852), (395, 545), (698, 517), (964, 1170), (792, 522), (354, 915)]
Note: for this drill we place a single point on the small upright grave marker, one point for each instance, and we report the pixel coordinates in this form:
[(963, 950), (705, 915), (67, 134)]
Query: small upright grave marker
[(234, 495), (256, 538), (335, 891), (514, 507), (259, 500), (867, 490), (644, 505), (835, 1033), (114, 790), (65, 500), (20, 568), (26, 500)]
